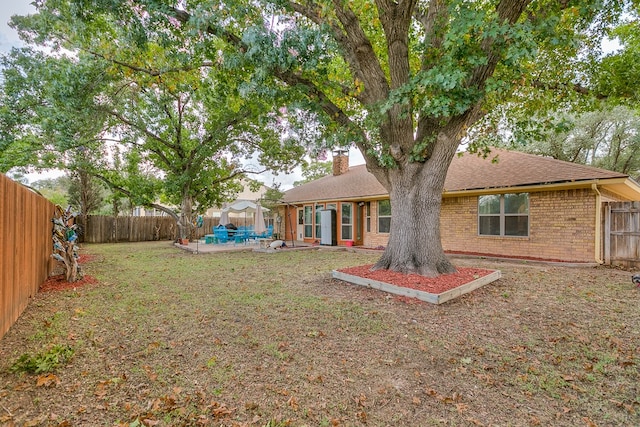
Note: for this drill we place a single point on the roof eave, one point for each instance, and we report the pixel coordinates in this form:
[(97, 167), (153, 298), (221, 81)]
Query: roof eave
[(623, 187), (353, 198)]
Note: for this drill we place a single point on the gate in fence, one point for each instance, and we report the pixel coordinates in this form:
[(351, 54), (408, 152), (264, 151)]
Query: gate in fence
[(622, 234)]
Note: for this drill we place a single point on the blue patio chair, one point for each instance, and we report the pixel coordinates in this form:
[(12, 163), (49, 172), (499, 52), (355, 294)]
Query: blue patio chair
[(220, 234), (242, 235)]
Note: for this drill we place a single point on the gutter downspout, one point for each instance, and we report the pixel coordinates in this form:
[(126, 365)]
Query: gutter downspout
[(598, 237)]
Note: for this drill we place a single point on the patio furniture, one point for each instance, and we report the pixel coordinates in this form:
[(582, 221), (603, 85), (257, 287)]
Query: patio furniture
[(242, 235), (221, 235)]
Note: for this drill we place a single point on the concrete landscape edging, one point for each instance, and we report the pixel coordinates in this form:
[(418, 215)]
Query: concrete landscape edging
[(414, 293)]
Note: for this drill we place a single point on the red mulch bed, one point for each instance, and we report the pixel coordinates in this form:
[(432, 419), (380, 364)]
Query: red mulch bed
[(59, 282), (434, 285), (85, 258)]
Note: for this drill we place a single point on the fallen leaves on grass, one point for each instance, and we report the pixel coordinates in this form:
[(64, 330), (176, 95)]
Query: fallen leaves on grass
[(212, 332), (47, 380)]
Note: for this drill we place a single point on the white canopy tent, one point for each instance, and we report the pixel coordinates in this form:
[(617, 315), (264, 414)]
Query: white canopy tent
[(245, 206)]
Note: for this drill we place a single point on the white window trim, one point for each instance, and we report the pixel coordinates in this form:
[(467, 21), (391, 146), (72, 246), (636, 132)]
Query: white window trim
[(305, 223), (502, 216), (349, 224), (383, 216)]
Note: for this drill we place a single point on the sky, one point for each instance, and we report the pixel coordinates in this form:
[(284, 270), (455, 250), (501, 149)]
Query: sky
[(9, 38)]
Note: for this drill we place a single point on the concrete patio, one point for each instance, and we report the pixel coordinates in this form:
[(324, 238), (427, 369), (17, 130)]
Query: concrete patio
[(201, 247)]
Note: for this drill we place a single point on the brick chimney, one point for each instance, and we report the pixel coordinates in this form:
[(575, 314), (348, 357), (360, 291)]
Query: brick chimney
[(340, 161)]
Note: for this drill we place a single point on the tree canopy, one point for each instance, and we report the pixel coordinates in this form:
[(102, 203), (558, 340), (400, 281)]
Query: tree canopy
[(402, 80), (155, 120), (314, 170), (607, 138)]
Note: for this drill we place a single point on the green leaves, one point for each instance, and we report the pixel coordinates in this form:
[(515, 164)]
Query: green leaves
[(46, 361), (157, 107)]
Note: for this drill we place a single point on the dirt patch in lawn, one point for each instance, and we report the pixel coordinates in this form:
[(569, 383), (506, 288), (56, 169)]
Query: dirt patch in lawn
[(168, 338)]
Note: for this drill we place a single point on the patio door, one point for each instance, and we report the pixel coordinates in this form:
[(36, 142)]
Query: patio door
[(300, 225)]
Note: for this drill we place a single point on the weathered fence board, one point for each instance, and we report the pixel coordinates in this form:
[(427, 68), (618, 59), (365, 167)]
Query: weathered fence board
[(622, 234), (25, 248), (107, 229)]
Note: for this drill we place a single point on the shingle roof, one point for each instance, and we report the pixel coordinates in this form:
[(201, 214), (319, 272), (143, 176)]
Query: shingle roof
[(356, 183), (467, 172), (513, 168)]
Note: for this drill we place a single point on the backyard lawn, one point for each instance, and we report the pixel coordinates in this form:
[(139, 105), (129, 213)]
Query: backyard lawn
[(168, 338)]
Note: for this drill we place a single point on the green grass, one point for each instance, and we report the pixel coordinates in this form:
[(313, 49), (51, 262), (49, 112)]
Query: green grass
[(270, 339)]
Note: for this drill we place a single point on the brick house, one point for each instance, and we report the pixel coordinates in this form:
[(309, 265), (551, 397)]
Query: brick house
[(520, 205)]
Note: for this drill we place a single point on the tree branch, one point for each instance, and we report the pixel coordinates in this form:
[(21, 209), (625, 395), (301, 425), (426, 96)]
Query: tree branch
[(148, 71), (129, 194), (361, 57), (287, 76), (432, 22), (576, 87), (508, 11), (146, 132)]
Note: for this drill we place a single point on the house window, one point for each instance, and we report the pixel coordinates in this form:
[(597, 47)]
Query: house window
[(346, 210), (384, 216), (367, 215), (503, 215), (308, 222), (318, 216)]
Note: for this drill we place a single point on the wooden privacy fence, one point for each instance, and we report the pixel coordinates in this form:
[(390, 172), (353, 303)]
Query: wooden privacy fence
[(25, 248), (622, 234), (109, 229)]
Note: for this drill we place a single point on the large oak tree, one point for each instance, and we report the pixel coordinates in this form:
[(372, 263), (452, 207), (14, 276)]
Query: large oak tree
[(406, 79), (402, 80)]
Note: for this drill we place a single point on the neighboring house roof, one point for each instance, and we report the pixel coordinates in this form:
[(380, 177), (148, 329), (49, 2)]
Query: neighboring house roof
[(472, 173)]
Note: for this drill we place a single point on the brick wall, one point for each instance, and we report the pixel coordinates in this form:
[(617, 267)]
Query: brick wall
[(561, 226), (374, 239)]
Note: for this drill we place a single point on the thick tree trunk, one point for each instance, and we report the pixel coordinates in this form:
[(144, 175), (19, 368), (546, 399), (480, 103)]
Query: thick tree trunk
[(184, 224), (415, 191), (64, 243), (414, 241)]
